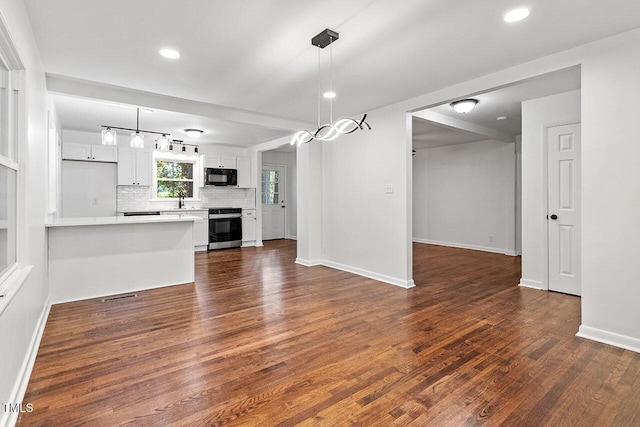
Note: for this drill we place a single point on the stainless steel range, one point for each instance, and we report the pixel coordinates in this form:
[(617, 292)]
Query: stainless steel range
[(225, 228)]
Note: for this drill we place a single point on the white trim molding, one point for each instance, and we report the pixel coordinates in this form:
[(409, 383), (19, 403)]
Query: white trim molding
[(370, 274), (611, 338), (533, 284), (465, 246), (20, 387), (308, 263)]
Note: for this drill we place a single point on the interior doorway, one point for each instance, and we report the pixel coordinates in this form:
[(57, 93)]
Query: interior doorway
[(564, 208), (462, 163), (273, 185)]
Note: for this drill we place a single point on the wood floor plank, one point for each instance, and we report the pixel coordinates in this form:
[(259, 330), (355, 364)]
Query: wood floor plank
[(259, 340)]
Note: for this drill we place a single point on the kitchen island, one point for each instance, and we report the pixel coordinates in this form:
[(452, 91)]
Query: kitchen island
[(96, 257)]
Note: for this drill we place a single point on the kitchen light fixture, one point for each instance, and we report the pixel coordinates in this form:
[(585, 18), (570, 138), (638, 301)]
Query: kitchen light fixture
[(516, 15), (501, 118), (137, 135), (332, 130), (169, 53), (173, 142), (193, 133), (108, 136), (163, 142), (464, 105)]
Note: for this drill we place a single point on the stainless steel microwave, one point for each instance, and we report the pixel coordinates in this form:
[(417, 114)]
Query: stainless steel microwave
[(221, 177)]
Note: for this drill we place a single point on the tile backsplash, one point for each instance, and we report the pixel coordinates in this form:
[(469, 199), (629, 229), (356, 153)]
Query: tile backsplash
[(135, 198)]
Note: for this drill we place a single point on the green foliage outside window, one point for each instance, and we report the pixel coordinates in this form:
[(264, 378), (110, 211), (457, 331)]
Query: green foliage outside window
[(174, 178)]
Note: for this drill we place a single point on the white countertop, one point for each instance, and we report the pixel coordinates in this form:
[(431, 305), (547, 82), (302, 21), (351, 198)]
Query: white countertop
[(111, 220), (163, 210)]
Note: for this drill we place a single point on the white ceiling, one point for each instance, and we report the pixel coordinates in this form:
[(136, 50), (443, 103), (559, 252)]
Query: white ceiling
[(506, 101), (89, 115), (256, 55)]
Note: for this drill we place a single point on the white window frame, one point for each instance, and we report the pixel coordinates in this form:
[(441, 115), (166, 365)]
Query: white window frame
[(15, 276), (181, 158)]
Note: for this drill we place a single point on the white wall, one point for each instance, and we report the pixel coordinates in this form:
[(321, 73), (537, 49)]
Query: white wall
[(88, 189), (538, 115), (610, 200), (365, 229), (288, 160), (464, 196), (22, 319)]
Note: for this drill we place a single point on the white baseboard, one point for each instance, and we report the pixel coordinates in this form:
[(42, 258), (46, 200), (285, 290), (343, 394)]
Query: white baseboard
[(292, 237), (611, 338), (370, 274), (533, 284), (465, 246), (308, 263), (20, 387)]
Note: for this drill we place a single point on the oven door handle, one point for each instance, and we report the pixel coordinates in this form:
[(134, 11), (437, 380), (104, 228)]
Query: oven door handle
[(223, 216)]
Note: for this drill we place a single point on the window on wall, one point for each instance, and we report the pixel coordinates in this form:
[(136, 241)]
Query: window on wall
[(270, 187), (175, 178), (10, 114)]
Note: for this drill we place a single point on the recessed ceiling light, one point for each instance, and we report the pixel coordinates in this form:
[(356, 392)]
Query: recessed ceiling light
[(501, 118), (193, 133), (464, 105), (170, 53), (516, 15), (329, 94), (147, 110)]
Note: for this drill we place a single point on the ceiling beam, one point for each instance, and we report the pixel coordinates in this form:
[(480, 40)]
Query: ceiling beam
[(100, 91), (454, 123)]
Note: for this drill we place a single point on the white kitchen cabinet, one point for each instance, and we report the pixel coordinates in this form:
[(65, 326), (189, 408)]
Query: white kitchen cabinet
[(135, 166), (223, 162), (200, 226), (244, 172), (89, 152), (248, 227), (201, 229)]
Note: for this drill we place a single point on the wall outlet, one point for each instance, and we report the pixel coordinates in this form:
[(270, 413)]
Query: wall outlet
[(94, 202), (388, 188), (491, 238)]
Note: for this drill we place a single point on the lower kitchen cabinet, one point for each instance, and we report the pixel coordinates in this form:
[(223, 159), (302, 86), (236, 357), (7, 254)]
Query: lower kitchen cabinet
[(248, 227), (201, 230), (200, 226)]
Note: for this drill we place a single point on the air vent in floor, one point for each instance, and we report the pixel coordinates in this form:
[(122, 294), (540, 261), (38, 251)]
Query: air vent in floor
[(119, 297)]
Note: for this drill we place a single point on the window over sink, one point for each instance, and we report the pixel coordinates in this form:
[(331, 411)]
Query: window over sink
[(174, 178), (174, 173)]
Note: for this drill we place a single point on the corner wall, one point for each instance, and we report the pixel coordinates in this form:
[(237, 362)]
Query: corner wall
[(610, 200), (537, 116), (23, 320)]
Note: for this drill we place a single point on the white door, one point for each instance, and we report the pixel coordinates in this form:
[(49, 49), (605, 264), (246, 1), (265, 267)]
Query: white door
[(273, 205), (564, 209)]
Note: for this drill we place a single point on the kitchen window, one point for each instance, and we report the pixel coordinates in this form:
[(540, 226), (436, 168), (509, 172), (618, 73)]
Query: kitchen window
[(174, 176)]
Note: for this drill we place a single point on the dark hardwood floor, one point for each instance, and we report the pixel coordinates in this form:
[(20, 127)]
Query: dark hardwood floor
[(259, 340)]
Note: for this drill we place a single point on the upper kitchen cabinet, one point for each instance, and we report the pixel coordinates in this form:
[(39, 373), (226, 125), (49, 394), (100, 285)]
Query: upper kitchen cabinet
[(223, 162), (89, 152), (135, 166), (244, 172)]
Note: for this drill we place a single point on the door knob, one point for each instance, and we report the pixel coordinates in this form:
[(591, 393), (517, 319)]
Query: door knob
[(554, 217)]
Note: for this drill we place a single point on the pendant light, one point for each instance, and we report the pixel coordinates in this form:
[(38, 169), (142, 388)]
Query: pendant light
[(137, 135), (137, 139), (332, 130), (109, 136), (163, 143)]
